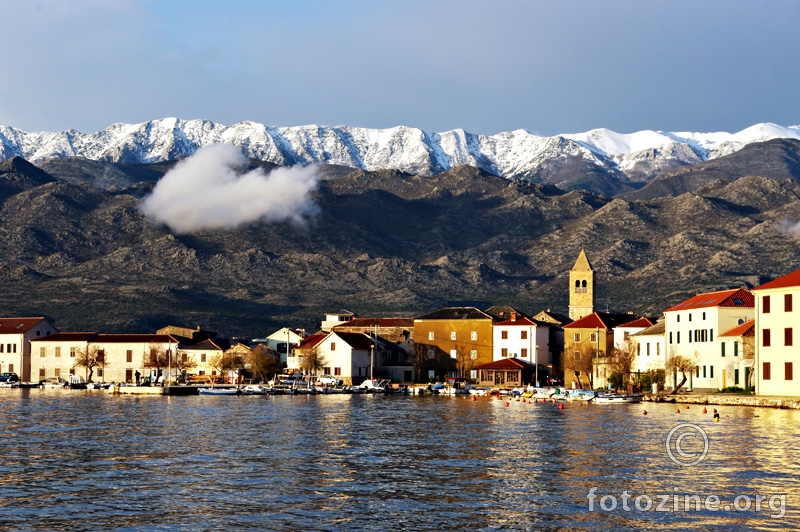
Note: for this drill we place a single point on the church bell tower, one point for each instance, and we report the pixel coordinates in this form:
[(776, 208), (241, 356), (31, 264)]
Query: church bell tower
[(581, 288)]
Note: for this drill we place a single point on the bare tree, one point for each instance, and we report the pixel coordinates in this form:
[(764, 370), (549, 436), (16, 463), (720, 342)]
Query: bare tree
[(156, 357), (464, 360), (580, 362), (683, 363), (749, 353), (312, 362), (621, 362), (418, 358), (185, 362), (89, 357), (263, 361)]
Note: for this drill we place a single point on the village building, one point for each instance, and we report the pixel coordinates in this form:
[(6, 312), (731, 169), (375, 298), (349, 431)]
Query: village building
[(692, 330), (115, 357), (336, 318), (206, 358), (348, 356), (737, 356), (521, 337), (506, 373), (283, 340), (589, 343), (15, 348), (187, 335), (775, 349), (453, 341), (650, 349)]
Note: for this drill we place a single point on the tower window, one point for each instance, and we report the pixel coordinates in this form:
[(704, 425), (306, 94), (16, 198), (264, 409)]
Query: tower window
[(583, 285)]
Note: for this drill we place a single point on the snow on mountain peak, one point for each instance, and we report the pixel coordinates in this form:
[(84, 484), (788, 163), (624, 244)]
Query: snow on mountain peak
[(508, 154)]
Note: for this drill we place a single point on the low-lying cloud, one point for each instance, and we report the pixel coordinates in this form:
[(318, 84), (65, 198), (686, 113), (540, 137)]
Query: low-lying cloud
[(205, 191), (793, 229)]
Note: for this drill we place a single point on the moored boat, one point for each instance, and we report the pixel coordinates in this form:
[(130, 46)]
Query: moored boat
[(613, 398), (218, 391)]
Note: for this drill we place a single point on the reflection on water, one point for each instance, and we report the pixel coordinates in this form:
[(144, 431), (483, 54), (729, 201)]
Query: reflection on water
[(82, 460)]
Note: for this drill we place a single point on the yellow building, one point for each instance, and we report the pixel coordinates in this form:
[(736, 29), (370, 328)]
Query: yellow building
[(454, 340)]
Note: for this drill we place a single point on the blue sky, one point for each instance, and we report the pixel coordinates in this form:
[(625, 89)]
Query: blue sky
[(484, 66)]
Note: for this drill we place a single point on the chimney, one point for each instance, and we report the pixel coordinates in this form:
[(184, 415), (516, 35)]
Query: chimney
[(513, 315)]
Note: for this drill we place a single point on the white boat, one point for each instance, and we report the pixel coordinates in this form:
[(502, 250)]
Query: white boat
[(613, 398), (581, 395), (255, 389), (371, 386), (218, 391)]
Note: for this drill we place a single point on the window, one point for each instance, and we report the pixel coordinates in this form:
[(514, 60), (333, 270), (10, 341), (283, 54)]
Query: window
[(787, 336), (690, 316), (11, 368), (736, 377), (1, 348), (473, 335), (333, 346), (184, 358), (128, 375), (202, 358), (201, 372), (41, 351), (678, 337), (670, 337), (765, 338), (504, 352), (658, 349), (504, 335), (74, 351), (129, 356), (697, 372), (58, 372), (765, 305), (326, 371), (678, 316), (523, 352), (431, 336), (704, 316), (41, 373), (787, 305), (473, 354), (524, 335), (765, 369), (638, 350), (593, 337), (337, 371), (711, 371), (453, 353), (58, 351), (453, 335), (577, 337), (722, 348), (704, 372), (577, 287), (583, 286), (787, 370), (99, 372), (648, 348), (736, 349)]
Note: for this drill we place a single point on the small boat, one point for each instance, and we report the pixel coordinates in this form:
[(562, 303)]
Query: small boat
[(218, 391), (255, 389), (581, 395), (613, 398)]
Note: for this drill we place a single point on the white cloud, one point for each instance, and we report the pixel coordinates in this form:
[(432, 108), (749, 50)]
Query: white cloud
[(792, 228), (206, 191)]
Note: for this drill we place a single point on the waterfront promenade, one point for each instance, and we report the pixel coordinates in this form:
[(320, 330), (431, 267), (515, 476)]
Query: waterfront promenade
[(726, 399)]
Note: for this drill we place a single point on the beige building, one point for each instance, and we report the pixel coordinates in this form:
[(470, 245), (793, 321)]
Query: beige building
[(118, 356), (15, 347), (776, 350)]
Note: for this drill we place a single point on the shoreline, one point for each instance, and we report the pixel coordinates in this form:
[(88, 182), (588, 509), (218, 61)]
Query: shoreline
[(762, 401)]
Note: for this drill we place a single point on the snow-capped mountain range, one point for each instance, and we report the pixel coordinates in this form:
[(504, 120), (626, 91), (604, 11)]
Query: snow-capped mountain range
[(634, 156)]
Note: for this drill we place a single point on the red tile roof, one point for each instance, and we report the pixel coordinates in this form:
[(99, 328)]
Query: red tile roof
[(747, 328), (737, 297), (67, 337), (506, 363), (641, 322), (520, 321), (311, 341), (18, 325), (787, 281), (602, 320)]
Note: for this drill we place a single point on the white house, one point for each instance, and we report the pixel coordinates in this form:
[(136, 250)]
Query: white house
[(15, 348), (336, 318), (521, 337), (349, 356), (692, 328), (649, 346), (776, 320), (282, 338)]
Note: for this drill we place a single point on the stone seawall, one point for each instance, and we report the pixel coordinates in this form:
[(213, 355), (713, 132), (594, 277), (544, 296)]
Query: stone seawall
[(727, 400)]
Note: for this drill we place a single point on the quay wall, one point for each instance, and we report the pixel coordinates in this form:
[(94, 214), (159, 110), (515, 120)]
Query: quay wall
[(726, 400)]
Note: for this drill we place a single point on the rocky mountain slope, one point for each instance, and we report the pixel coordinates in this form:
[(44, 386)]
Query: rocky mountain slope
[(75, 247)]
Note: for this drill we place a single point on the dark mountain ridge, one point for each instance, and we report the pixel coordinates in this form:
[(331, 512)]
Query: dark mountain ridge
[(75, 247)]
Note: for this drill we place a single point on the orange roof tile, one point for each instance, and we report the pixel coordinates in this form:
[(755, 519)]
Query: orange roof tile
[(737, 297), (747, 328), (787, 281)]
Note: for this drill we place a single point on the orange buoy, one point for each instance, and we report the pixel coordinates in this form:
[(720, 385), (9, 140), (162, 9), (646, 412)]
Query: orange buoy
[(529, 401), (474, 397), (687, 407), (705, 411), (644, 412), (507, 403), (561, 406), (677, 410)]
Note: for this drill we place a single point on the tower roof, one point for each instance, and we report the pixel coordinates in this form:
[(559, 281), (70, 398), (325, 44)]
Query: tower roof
[(582, 263)]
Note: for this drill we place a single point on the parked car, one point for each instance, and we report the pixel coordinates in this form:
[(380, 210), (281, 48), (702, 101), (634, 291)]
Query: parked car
[(328, 380), (9, 380)]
